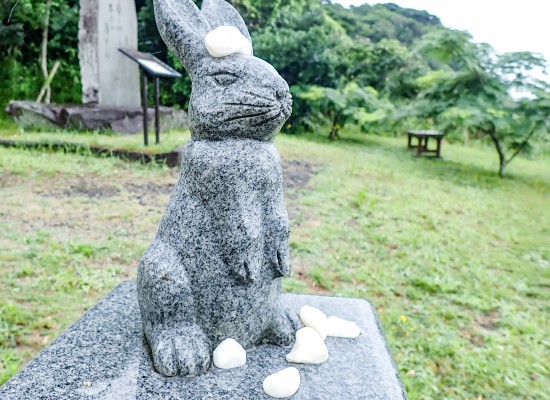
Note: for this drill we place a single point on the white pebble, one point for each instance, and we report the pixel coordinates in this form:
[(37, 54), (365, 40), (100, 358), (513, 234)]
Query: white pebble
[(308, 349), (283, 383), (229, 354), (339, 327), (226, 40), (316, 319)]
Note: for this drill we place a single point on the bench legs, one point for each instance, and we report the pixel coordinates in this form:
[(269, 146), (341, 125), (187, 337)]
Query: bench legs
[(422, 145)]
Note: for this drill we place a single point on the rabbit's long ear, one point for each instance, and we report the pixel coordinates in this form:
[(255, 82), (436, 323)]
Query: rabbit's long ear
[(183, 28), (221, 13)]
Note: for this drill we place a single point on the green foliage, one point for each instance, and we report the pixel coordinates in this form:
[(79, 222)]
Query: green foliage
[(383, 68), (305, 48), (469, 90), (383, 21), (350, 105), (20, 41)]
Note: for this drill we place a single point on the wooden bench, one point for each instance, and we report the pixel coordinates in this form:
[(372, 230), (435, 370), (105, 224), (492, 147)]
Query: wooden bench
[(422, 138)]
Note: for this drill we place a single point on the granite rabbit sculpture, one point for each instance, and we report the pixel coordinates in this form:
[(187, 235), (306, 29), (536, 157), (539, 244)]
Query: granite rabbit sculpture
[(214, 269)]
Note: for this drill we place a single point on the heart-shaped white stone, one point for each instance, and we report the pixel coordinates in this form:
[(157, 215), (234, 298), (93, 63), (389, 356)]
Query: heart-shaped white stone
[(315, 319), (339, 327), (309, 348), (226, 40), (283, 383), (229, 354)]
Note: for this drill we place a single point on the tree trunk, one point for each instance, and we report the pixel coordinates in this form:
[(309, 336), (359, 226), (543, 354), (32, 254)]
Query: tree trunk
[(46, 84), (44, 53), (503, 162), (501, 168), (335, 128), (498, 146)]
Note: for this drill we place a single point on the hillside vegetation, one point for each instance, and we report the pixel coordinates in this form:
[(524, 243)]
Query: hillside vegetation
[(381, 68)]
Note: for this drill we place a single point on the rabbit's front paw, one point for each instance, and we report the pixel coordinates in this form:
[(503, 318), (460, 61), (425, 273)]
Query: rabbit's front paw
[(280, 253), (181, 351), (281, 259), (246, 264)]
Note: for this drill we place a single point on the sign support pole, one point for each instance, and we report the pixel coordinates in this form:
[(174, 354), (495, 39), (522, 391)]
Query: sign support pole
[(145, 107), (155, 68), (157, 111)]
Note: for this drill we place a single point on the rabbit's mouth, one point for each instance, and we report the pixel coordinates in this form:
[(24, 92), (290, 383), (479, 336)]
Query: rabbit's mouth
[(286, 109), (285, 99), (272, 116), (261, 114)]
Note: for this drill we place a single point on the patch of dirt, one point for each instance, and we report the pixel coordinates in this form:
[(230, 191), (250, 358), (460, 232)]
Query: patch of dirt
[(474, 338), (87, 207), (9, 179), (489, 321), (91, 190), (147, 192), (296, 175), (150, 188)]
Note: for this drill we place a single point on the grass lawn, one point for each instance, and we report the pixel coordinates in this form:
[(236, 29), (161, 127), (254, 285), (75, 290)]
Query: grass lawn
[(168, 140), (455, 259)]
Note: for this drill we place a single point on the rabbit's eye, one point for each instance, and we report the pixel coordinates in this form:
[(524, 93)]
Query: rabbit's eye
[(224, 79)]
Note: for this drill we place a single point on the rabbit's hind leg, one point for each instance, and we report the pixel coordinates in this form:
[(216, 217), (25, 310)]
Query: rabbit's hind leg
[(178, 344)]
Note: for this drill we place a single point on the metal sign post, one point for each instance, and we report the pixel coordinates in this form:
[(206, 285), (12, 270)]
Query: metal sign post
[(151, 66)]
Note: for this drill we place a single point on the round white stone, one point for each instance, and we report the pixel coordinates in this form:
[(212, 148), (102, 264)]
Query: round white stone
[(315, 319), (229, 354), (226, 40), (339, 327), (309, 348), (283, 383)]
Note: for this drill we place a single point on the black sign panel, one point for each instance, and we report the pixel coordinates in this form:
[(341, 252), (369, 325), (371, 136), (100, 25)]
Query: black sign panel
[(152, 65)]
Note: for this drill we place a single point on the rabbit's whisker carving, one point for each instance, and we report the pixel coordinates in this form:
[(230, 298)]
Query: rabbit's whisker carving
[(247, 116), (265, 121), (259, 96), (248, 105)]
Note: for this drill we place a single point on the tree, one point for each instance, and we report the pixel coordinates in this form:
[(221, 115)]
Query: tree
[(22, 33), (350, 104), (472, 91)]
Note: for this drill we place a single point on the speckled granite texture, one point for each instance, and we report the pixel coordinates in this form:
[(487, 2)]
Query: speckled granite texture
[(104, 356), (214, 269)]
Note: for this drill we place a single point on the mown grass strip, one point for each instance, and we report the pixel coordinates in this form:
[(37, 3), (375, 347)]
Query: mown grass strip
[(171, 159)]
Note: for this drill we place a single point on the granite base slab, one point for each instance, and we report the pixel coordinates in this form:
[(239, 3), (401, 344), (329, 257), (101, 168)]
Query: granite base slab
[(104, 356)]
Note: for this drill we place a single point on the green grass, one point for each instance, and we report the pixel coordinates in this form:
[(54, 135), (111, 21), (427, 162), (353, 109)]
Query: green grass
[(454, 258), (168, 140)]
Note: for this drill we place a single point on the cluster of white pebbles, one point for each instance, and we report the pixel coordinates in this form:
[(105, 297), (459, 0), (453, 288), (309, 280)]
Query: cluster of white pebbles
[(309, 348)]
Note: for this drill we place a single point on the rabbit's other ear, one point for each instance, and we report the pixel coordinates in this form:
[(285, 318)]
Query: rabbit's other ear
[(221, 13), (183, 28)]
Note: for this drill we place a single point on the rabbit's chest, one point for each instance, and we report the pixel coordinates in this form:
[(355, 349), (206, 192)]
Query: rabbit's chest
[(239, 166)]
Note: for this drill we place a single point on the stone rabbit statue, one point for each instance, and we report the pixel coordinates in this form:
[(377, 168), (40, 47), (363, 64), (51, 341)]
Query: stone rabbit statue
[(214, 269)]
